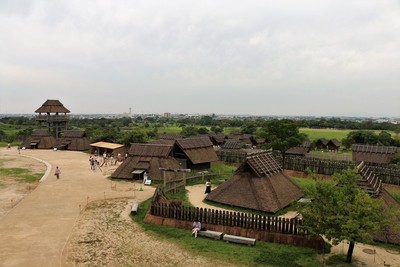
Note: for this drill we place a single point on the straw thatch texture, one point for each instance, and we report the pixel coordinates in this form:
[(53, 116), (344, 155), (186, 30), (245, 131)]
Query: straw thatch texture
[(74, 140), (52, 106), (41, 139), (258, 184), (198, 150), (151, 165), (150, 150), (301, 150), (373, 154)]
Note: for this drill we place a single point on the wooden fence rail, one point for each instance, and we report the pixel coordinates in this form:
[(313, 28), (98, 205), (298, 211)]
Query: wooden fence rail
[(228, 218), (389, 174)]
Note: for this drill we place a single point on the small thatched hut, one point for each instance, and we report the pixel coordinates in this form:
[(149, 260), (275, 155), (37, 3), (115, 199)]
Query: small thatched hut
[(373, 154), (40, 139), (333, 145), (300, 150), (258, 184), (74, 140), (150, 159), (321, 143), (195, 153)]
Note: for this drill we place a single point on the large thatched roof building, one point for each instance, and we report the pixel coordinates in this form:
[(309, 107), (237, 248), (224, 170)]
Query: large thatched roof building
[(74, 140), (195, 153), (150, 159), (373, 153), (40, 139), (258, 184)]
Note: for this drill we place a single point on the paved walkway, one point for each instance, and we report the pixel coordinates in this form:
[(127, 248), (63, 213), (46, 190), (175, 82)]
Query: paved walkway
[(35, 232)]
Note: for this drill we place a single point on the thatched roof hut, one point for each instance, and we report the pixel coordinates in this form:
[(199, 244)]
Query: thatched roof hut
[(74, 140), (300, 150), (258, 184), (148, 158), (373, 153), (321, 143), (333, 145), (195, 153), (217, 139), (40, 139), (233, 144)]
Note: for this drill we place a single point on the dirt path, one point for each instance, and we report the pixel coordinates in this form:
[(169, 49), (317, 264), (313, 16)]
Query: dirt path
[(47, 227), (35, 232)]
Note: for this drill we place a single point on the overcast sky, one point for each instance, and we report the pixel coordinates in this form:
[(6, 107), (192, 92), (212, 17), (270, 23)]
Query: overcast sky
[(326, 58)]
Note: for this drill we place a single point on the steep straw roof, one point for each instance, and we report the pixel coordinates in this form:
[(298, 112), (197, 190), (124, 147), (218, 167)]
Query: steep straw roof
[(374, 149), (258, 184), (52, 106), (150, 150), (198, 150)]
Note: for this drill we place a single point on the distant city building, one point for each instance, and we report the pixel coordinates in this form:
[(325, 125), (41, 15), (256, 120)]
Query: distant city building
[(167, 115)]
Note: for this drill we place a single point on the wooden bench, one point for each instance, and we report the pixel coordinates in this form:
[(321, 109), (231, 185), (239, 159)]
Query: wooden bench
[(239, 240), (135, 208), (210, 234)]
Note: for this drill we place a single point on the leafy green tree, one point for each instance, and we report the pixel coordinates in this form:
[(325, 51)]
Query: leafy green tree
[(202, 130), (135, 136), (385, 139), (217, 129), (189, 131), (342, 211), (360, 137), (283, 134)]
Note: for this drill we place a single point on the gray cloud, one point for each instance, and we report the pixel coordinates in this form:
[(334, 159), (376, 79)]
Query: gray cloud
[(260, 57)]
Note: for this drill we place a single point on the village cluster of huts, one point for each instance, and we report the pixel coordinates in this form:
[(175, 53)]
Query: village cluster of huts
[(259, 183)]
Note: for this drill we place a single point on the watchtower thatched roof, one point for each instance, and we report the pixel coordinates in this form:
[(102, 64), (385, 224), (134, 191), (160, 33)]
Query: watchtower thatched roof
[(52, 106), (259, 184)]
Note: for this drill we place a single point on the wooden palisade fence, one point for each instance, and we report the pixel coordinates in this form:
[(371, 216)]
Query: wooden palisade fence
[(387, 173), (228, 218)]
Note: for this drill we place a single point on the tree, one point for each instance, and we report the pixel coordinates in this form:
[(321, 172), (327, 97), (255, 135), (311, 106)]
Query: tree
[(189, 131), (342, 211), (283, 134), (360, 137)]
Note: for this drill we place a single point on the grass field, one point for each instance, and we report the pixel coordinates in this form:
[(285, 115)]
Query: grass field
[(263, 254), (315, 134)]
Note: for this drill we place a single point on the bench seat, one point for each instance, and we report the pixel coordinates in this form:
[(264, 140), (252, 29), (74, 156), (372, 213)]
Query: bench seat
[(210, 234), (239, 239), (135, 208)]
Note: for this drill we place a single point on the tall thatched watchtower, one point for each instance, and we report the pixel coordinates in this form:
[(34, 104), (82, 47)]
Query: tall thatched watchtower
[(53, 116)]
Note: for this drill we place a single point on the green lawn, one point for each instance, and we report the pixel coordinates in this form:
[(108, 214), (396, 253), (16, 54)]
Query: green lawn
[(315, 134), (262, 254), (20, 174)]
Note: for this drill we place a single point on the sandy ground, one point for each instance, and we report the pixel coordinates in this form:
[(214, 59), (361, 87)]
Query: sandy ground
[(105, 235), (13, 191)]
